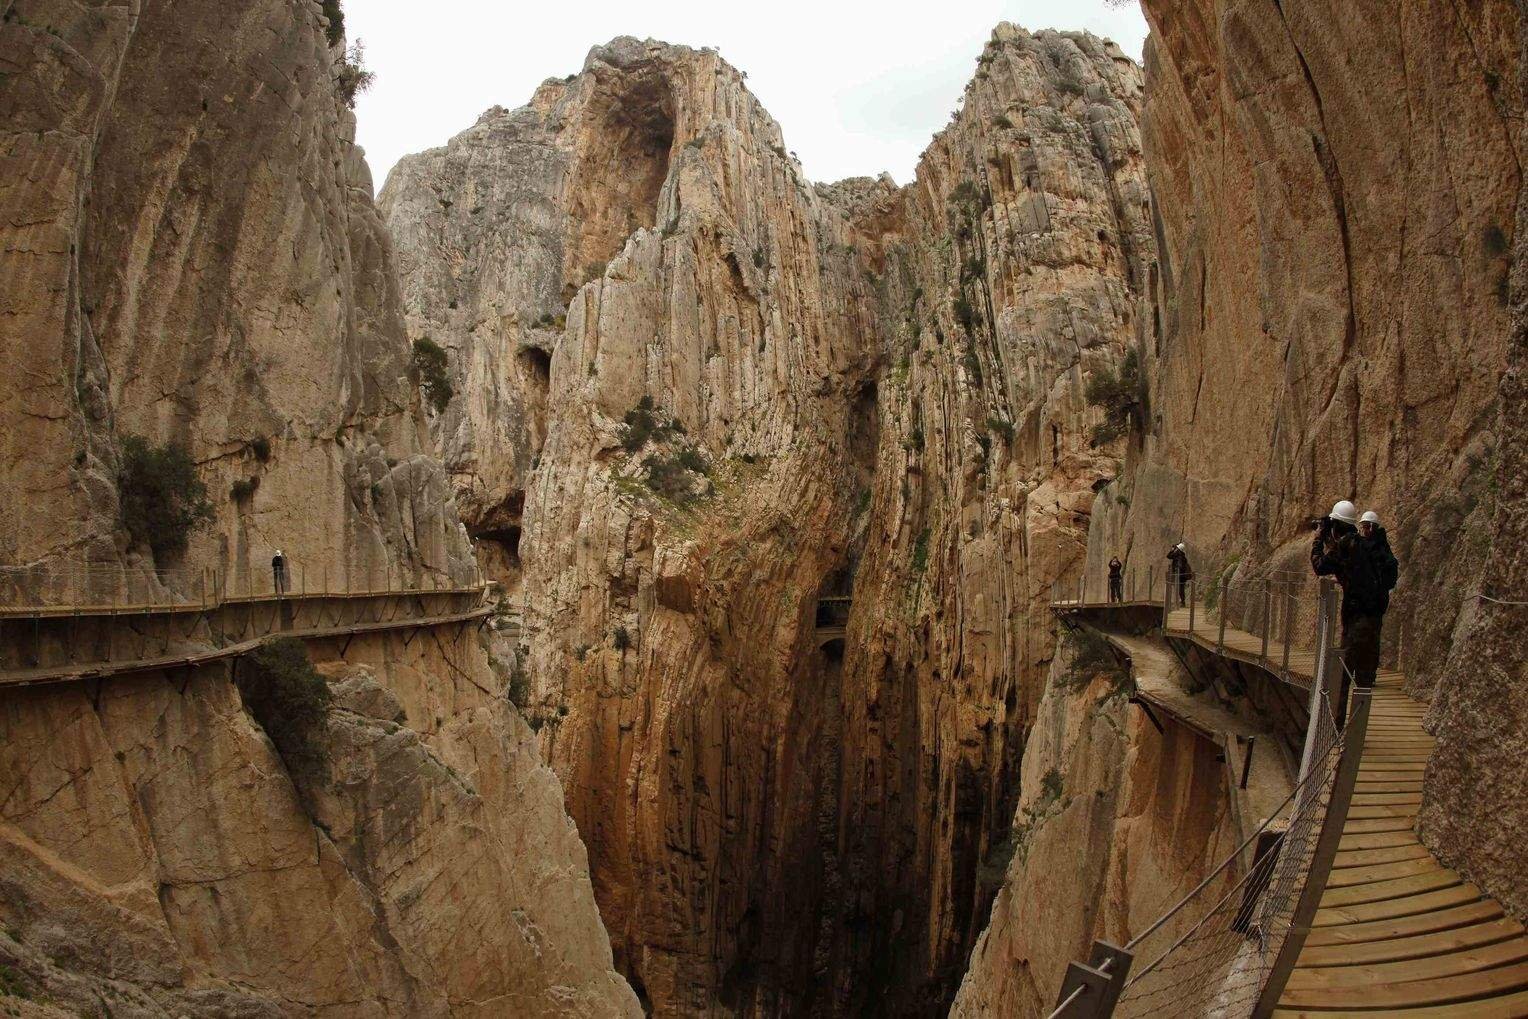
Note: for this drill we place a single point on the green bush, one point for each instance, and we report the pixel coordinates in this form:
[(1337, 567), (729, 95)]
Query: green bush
[(243, 488), (430, 368), (1121, 396), (920, 552), (261, 447), (1002, 427), (289, 699), (1001, 121), (1091, 656), (641, 424), (162, 498), (351, 76), (669, 478), (336, 16), (622, 638), (965, 314), (518, 687)]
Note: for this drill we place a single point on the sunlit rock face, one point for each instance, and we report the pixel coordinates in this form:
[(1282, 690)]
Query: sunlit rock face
[(189, 252), (854, 390)]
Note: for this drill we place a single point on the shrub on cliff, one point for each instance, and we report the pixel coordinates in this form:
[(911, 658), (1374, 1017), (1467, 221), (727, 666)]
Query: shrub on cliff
[(1121, 396), (430, 370), (162, 498), (351, 77), (289, 699), (641, 424), (336, 16), (1091, 656)]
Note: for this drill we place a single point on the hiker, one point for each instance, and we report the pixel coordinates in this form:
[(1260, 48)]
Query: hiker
[(278, 572), (1378, 544), (1116, 580), (1339, 551), (1178, 567)]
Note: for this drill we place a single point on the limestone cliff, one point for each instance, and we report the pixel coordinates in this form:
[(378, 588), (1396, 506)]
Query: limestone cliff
[(701, 395), (190, 252), (1334, 192)]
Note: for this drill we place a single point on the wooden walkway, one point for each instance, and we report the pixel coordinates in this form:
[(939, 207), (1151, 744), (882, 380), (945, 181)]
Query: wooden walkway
[(1397, 933)]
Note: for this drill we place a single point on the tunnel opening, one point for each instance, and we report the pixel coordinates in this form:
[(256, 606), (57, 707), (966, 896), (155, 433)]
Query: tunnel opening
[(619, 171)]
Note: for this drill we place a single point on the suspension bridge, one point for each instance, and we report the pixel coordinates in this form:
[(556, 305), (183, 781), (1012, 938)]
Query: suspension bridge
[(68, 623), (1331, 907)]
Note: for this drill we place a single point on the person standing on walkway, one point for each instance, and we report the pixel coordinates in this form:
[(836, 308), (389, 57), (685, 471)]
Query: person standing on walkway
[(1377, 542), (1179, 571), (1339, 551), (1116, 580), (278, 572)]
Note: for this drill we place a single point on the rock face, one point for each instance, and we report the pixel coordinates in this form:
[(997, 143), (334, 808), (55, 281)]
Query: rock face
[(1475, 805), (203, 264), (699, 395), (190, 252), (1334, 192)]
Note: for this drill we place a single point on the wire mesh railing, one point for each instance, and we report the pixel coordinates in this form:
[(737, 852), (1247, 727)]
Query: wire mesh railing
[(95, 587), (1226, 948)]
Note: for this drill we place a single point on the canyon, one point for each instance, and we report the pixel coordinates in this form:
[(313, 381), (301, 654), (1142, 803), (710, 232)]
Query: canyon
[(769, 481)]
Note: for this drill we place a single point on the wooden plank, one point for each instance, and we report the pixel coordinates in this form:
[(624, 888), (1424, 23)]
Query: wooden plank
[(1377, 840), (1463, 915), (1367, 826), (1470, 959), (1369, 813), (1512, 1006), (1373, 872), (1411, 850), (1411, 993), (1381, 799), (1390, 909), (1418, 946), (1383, 890)]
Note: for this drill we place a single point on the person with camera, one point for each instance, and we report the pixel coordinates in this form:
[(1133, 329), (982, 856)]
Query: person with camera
[(1340, 551)]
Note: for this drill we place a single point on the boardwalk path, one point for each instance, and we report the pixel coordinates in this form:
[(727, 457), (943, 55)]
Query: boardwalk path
[(1397, 933)]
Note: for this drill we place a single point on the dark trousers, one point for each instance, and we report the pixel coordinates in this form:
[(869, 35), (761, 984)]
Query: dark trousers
[(280, 577), (1183, 580), (1360, 657), (1116, 588)]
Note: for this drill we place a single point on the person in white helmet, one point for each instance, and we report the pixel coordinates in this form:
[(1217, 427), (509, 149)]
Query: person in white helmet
[(278, 572), (1179, 571), (1339, 552), (1377, 542)]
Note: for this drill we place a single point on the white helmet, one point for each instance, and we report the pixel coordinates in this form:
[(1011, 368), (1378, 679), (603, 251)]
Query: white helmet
[(1345, 511), (1369, 517), (1181, 548)]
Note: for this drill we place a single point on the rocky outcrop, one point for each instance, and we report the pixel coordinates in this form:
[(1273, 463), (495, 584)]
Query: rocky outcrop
[(203, 264), (760, 393), (1473, 809), (190, 253)]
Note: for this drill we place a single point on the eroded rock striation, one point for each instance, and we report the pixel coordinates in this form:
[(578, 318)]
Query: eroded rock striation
[(190, 252), (786, 471)]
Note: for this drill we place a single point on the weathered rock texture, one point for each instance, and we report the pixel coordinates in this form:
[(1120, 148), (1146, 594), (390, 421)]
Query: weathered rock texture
[(192, 254), (189, 251), (1334, 190), (884, 387), (1475, 805)]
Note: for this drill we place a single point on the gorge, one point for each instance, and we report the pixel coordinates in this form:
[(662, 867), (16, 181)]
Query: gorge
[(766, 712)]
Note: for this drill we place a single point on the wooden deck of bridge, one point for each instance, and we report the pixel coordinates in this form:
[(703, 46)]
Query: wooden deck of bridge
[(1397, 933)]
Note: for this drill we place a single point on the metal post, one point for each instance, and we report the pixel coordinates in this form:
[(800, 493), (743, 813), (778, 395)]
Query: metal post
[(1247, 761), (1267, 615), (1324, 853), (1091, 991), (1225, 594), (1289, 615)]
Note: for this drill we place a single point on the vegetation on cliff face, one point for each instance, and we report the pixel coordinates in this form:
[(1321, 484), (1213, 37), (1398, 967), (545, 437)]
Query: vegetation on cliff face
[(284, 693), (162, 498), (430, 366)]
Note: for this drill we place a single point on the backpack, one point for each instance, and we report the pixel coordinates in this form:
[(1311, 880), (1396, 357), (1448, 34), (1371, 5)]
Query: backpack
[(1364, 591)]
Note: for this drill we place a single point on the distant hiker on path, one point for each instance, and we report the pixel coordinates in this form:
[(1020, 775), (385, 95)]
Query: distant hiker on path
[(278, 572), (1116, 580), (1339, 551), (1179, 569)]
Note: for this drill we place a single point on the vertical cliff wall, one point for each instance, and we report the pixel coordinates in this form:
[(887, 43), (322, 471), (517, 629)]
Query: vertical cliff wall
[(699, 396), (1334, 201), (189, 252)]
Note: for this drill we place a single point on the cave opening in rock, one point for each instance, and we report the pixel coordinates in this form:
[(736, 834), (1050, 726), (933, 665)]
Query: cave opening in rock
[(536, 365), (620, 170)]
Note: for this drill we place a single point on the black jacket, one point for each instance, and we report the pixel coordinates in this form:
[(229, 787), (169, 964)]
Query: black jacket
[(1377, 545), (1179, 560), (1116, 568), (1339, 552)]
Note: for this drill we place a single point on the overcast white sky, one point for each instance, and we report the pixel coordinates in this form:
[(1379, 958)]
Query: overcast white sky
[(857, 87)]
